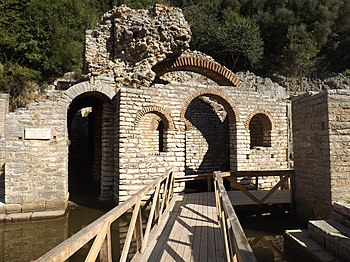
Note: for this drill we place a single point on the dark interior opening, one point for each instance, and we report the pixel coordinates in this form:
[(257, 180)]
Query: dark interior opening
[(85, 148), (160, 129)]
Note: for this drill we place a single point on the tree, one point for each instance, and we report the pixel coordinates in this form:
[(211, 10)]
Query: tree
[(301, 52)]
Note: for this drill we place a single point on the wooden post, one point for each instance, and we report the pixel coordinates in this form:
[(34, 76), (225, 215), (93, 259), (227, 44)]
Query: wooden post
[(128, 238), (106, 249), (138, 231), (150, 218)]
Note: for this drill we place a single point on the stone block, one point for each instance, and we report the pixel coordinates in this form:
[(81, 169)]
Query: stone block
[(33, 207), (13, 208), (47, 214), (54, 205), (19, 216)]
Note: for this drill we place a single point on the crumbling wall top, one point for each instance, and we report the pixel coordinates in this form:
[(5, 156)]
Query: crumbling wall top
[(127, 43)]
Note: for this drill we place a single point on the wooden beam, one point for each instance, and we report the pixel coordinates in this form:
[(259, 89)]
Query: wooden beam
[(128, 238), (242, 188), (150, 218), (241, 245), (272, 190), (96, 246), (257, 173), (106, 249)]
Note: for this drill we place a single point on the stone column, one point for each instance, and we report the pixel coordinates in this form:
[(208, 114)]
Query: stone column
[(107, 167)]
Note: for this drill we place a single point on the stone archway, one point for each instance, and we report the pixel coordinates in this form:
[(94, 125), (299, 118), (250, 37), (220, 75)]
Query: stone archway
[(198, 64), (210, 118), (90, 151)]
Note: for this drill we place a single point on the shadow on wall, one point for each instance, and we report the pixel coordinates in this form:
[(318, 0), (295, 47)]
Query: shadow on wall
[(207, 141)]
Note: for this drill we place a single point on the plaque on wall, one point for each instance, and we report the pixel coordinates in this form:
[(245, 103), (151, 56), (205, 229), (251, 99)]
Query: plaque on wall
[(37, 133)]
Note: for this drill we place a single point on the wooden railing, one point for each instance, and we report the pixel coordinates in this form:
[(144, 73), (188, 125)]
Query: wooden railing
[(284, 176), (236, 244), (100, 229)]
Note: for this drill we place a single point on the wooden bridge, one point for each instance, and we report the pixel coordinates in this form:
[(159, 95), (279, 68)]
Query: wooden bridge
[(188, 227)]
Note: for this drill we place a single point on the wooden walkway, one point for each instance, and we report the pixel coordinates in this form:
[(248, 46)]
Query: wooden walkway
[(238, 198), (188, 232)]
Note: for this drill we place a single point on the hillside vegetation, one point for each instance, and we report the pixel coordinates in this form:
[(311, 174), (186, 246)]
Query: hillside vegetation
[(41, 40)]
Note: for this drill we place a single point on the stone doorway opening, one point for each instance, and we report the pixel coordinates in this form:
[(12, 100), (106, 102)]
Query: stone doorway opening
[(85, 117), (210, 138)]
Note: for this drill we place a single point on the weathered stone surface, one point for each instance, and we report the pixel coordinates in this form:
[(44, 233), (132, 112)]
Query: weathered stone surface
[(127, 43)]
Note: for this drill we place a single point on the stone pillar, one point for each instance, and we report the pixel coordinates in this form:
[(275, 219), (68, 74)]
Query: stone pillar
[(107, 167)]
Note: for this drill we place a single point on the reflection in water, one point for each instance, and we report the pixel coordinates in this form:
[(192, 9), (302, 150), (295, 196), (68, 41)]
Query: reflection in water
[(26, 241), (265, 233)]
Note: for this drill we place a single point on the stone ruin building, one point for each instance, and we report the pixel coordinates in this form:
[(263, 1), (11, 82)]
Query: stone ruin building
[(138, 111)]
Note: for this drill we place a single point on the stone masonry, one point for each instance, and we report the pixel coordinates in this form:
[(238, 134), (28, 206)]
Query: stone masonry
[(145, 118), (170, 103), (321, 146)]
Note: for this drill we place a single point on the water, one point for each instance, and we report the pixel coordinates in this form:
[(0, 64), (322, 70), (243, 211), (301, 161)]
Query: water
[(28, 240), (265, 233)]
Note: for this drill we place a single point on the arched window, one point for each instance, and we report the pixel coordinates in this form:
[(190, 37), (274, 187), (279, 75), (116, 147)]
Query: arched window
[(153, 133), (260, 131)]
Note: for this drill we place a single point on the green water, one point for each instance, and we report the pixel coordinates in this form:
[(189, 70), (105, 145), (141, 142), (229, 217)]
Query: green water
[(265, 233), (28, 240)]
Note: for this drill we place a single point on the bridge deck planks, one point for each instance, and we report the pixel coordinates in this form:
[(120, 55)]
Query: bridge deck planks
[(189, 231)]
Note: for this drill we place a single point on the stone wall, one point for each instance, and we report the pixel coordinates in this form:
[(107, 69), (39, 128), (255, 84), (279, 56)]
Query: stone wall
[(170, 103), (339, 137), (312, 185), (36, 144), (36, 165)]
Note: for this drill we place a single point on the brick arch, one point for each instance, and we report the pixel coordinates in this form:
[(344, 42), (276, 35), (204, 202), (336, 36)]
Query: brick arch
[(101, 89), (259, 111), (222, 98), (162, 113), (204, 66)]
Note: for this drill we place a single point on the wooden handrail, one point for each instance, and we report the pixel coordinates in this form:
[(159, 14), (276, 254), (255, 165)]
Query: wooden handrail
[(101, 231), (237, 247)]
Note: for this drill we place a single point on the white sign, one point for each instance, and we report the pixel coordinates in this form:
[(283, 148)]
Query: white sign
[(38, 133)]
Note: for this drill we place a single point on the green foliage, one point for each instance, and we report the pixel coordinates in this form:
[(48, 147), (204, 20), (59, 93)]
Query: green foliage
[(40, 40), (230, 38), (301, 51)]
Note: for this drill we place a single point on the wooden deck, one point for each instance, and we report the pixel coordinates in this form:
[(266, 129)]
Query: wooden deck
[(238, 198), (188, 232)]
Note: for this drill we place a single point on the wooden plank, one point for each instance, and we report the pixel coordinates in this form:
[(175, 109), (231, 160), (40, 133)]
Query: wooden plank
[(197, 224), (96, 246), (211, 227), (203, 254), (257, 173), (241, 242), (132, 224), (240, 199), (106, 250), (157, 231), (243, 189), (273, 189), (183, 248), (150, 218)]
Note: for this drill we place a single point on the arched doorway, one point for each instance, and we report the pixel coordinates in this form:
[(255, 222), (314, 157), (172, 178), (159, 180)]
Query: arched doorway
[(210, 137), (85, 118)]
